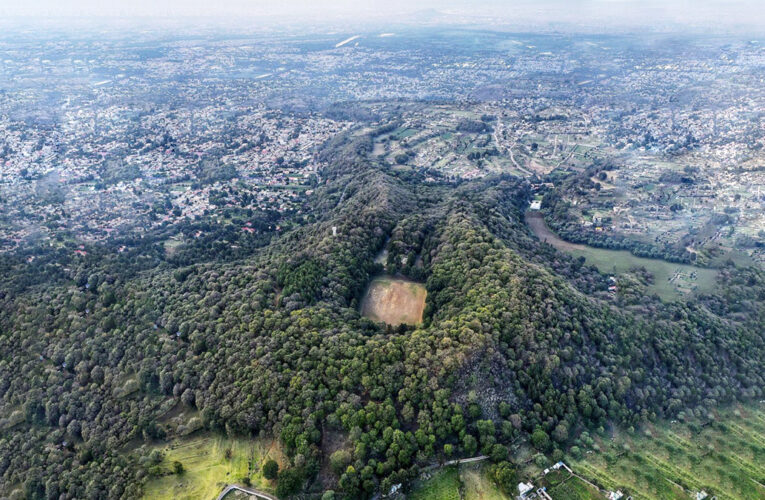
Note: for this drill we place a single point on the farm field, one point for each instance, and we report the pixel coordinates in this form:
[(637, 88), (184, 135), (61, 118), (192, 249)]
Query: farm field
[(674, 460), (210, 463), (465, 482), (725, 457), (444, 484), (478, 485), (574, 489), (671, 281), (394, 301), (561, 485)]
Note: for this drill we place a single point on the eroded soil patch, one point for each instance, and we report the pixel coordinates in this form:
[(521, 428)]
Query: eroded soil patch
[(394, 301)]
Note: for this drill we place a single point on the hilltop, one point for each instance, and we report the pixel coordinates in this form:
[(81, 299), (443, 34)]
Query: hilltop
[(517, 342)]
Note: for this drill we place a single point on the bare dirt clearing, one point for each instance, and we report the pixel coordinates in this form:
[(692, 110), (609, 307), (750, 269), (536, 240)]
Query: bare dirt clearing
[(394, 301)]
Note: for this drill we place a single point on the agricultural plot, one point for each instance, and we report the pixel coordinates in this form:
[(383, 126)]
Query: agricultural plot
[(725, 458), (444, 484), (671, 281), (563, 486), (574, 489), (209, 464), (466, 482), (394, 301), (477, 485)]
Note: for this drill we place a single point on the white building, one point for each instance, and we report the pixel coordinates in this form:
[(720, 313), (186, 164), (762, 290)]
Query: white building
[(524, 488)]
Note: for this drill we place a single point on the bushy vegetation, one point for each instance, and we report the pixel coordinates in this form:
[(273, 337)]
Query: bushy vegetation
[(272, 343)]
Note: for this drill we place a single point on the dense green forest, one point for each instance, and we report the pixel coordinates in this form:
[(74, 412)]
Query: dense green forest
[(518, 342)]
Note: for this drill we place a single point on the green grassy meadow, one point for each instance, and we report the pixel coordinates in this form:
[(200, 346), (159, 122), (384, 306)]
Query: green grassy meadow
[(444, 484), (210, 463), (477, 484), (621, 261)]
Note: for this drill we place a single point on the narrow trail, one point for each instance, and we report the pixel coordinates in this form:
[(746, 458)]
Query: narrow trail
[(342, 196), (455, 462)]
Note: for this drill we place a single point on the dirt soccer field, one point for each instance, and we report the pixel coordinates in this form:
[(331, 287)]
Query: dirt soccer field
[(394, 301)]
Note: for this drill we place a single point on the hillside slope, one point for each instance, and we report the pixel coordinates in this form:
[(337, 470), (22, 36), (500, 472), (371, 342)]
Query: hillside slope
[(516, 342)]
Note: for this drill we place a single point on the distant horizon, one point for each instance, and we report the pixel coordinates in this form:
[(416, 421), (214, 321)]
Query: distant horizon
[(713, 16)]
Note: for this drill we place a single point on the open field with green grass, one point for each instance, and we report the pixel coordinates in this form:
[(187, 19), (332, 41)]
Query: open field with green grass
[(671, 281), (402, 133), (563, 486), (210, 463), (444, 484), (172, 244), (724, 457), (477, 485), (471, 479)]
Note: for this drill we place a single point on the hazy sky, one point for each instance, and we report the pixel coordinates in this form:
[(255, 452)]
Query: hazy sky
[(711, 13)]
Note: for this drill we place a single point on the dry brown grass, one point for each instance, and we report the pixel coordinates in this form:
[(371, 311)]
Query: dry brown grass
[(394, 301)]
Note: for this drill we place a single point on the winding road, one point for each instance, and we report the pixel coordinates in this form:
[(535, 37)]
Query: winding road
[(244, 489)]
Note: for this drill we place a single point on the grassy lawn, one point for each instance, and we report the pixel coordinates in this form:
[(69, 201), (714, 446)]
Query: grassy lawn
[(725, 458), (472, 479), (402, 133), (478, 485), (621, 261), (210, 463), (443, 485), (669, 278), (574, 488), (172, 244)]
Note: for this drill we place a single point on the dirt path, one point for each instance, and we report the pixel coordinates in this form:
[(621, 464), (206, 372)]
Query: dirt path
[(538, 226), (458, 461)]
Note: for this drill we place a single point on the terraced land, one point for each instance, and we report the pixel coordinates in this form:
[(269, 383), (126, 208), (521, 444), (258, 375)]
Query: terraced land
[(725, 457)]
